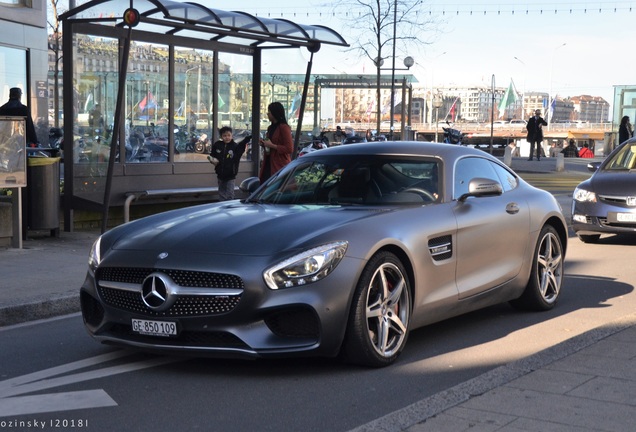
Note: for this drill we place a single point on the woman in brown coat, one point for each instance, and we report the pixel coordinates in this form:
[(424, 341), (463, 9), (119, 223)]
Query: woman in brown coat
[(278, 143)]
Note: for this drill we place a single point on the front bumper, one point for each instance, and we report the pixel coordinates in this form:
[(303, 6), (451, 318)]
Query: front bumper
[(244, 319), (602, 218)]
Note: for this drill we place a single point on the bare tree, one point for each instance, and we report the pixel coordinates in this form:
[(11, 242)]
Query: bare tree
[(378, 29)]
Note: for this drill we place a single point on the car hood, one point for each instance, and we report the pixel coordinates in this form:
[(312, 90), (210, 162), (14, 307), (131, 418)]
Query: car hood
[(252, 229), (614, 183)]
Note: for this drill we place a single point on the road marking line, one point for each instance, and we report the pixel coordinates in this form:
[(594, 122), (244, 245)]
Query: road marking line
[(13, 404), (22, 405)]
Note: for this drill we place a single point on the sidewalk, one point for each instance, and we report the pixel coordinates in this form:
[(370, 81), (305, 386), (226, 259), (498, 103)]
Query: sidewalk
[(42, 279), (585, 383)]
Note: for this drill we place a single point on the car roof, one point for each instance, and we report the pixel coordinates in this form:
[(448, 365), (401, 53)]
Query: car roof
[(416, 148)]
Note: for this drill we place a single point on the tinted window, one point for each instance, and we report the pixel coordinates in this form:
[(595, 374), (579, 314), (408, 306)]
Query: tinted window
[(354, 180)]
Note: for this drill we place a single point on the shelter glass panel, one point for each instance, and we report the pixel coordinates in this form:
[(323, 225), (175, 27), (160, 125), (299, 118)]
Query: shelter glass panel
[(94, 98), (147, 106)]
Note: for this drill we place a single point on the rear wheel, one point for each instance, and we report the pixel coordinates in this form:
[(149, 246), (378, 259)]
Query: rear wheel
[(381, 311), (546, 277)]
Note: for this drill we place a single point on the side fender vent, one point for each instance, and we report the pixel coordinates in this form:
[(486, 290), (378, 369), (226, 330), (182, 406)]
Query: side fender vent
[(441, 248)]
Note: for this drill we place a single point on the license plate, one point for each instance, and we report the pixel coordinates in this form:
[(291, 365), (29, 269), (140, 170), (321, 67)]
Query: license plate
[(626, 217), (154, 328)]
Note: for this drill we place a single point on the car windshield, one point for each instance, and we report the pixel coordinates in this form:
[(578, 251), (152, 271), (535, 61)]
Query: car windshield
[(624, 159), (355, 180)]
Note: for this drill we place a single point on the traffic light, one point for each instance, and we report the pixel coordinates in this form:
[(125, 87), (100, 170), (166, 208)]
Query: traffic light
[(131, 17)]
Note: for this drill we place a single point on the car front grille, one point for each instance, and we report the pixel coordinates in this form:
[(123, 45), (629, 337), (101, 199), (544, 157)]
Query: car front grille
[(622, 201), (185, 305)]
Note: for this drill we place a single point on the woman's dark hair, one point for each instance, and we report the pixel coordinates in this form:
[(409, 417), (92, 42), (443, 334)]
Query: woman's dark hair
[(278, 111), (624, 120)]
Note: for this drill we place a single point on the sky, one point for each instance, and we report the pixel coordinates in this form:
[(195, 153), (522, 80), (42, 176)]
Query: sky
[(566, 48)]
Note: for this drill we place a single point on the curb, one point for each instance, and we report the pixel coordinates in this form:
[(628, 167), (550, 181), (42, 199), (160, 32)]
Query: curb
[(39, 309)]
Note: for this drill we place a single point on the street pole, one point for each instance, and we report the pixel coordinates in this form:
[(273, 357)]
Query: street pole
[(550, 98), (523, 90), (393, 70)]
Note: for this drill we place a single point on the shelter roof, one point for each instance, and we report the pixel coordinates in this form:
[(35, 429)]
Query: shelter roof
[(193, 20)]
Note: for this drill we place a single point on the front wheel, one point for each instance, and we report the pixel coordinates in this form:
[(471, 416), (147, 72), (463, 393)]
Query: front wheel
[(380, 314), (546, 277), (199, 147)]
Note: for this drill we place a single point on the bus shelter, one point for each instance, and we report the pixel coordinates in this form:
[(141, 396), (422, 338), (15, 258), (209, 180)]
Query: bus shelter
[(147, 81)]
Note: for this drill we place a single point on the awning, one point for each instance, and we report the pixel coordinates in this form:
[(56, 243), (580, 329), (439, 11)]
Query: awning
[(586, 135)]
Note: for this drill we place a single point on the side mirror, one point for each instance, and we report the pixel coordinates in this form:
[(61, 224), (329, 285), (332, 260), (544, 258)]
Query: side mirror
[(593, 166), (250, 184), (481, 187)]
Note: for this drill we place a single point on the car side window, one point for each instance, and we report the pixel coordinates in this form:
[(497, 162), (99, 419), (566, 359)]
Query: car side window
[(508, 179), (469, 168)]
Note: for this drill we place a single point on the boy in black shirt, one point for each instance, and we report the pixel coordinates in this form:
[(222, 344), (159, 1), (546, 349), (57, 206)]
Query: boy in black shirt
[(225, 155)]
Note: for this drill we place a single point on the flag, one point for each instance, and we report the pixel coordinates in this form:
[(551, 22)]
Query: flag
[(453, 110), (220, 102), (148, 102), (88, 105), (181, 109), (294, 111), (552, 108), (371, 107), (509, 97), (397, 98)]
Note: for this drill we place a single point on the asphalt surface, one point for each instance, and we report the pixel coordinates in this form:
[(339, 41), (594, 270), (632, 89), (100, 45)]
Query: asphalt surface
[(569, 387)]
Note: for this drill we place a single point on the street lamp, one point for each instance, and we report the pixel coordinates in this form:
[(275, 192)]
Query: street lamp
[(342, 95), (437, 104), (432, 66), (550, 98), (523, 90), (408, 63), (187, 96)]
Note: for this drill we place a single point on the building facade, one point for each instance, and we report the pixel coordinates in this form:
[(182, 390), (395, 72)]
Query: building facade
[(23, 57)]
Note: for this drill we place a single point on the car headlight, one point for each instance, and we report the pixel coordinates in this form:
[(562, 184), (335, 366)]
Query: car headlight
[(306, 267), (584, 195), (95, 255)]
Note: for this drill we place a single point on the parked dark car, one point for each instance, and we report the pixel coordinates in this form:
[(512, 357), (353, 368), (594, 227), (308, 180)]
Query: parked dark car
[(606, 202), (341, 253)]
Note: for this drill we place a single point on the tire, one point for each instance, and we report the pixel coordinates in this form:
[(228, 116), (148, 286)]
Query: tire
[(199, 147), (546, 276), (590, 238), (380, 313)]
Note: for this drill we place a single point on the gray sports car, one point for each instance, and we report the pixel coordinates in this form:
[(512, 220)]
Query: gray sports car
[(341, 253), (606, 202)]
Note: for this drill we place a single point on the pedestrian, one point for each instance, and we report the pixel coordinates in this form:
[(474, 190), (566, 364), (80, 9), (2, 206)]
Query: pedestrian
[(225, 155), (278, 144), (571, 150), (585, 152), (14, 107), (625, 130), (535, 133), (95, 119)]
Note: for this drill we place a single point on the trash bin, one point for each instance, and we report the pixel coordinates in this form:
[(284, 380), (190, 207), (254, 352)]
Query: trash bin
[(43, 194), (409, 134)]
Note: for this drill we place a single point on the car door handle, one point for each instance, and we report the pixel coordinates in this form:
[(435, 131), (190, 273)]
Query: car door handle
[(512, 208)]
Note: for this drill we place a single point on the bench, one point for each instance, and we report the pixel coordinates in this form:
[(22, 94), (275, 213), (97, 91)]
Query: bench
[(194, 192)]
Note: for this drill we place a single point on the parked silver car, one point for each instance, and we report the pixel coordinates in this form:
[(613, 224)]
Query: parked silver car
[(342, 252), (606, 202)]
